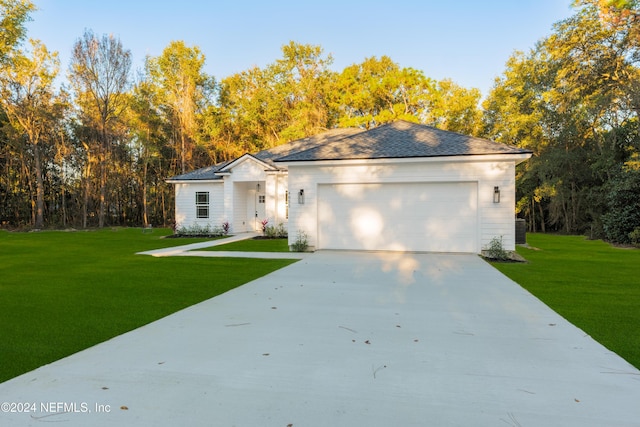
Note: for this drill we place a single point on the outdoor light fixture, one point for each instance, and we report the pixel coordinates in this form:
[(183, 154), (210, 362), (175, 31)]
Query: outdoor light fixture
[(258, 187), (496, 194), (301, 197)]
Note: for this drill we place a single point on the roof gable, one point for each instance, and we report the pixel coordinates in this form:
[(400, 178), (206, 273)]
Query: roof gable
[(402, 139), (245, 157)]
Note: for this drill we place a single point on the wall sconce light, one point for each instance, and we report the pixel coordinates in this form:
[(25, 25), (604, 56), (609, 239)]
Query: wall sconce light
[(258, 187), (301, 197), (496, 194)]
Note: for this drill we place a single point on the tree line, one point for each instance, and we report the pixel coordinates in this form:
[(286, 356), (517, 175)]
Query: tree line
[(96, 150), (574, 100)]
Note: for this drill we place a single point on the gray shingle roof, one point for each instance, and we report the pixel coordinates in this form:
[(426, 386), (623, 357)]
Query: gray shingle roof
[(203, 174), (304, 144), (402, 139), (268, 156), (395, 140)]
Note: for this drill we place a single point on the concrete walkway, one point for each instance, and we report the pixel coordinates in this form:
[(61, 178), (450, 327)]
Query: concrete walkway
[(344, 339), (190, 250)]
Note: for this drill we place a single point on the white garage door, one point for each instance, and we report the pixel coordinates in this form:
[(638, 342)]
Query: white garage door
[(429, 217)]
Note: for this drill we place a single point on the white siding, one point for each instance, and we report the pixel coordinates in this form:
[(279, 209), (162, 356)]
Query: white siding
[(240, 186), (233, 198), (498, 219), (186, 204), (228, 204), (414, 216), (248, 170), (494, 219), (275, 192)]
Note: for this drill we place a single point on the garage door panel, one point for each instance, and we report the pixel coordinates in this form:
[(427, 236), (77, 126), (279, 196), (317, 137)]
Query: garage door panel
[(410, 217)]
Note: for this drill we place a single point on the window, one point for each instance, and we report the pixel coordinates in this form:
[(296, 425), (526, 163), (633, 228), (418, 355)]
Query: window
[(202, 198), (202, 204), (260, 199)]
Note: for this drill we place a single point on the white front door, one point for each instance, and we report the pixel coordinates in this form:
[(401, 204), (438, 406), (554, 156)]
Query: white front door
[(256, 212)]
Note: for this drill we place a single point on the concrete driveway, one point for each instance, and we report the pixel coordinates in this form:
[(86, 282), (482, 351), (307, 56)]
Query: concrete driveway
[(344, 339)]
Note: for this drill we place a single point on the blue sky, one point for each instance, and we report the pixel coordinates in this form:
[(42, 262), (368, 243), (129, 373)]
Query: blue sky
[(468, 41)]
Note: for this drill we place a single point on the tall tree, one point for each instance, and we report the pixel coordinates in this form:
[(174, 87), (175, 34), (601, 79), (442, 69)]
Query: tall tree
[(286, 100), (184, 91), (572, 100), (27, 95), (251, 109), (99, 73), (513, 114), (148, 139), (13, 15), (301, 78), (453, 107), (378, 91)]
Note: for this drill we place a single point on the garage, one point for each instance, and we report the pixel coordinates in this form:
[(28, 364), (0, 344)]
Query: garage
[(411, 216), (403, 187)]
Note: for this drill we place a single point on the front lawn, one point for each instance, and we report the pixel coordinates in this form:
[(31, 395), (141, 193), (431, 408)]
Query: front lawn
[(62, 292), (592, 284), (253, 245)]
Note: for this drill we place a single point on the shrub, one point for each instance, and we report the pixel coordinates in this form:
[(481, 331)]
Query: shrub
[(634, 236), (495, 250), (226, 227), (282, 231), (276, 232), (197, 230), (302, 242), (270, 232), (623, 203)]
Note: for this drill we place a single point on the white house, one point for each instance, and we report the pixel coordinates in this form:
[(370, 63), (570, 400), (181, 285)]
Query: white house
[(399, 187)]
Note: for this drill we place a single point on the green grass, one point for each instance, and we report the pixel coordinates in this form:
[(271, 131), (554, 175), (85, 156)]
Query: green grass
[(62, 292), (253, 245), (590, 283)]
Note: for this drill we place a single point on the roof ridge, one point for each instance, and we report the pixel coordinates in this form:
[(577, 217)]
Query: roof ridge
[(321, 144), (449, 131)]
